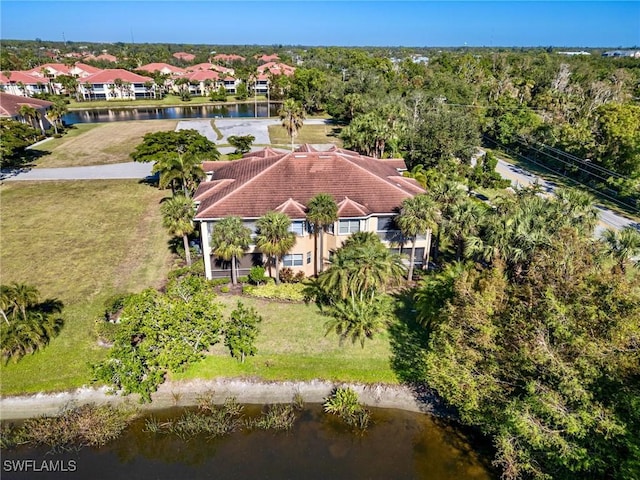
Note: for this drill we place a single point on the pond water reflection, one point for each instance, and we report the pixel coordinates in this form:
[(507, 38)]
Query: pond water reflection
[(399, 445), (233, 110)]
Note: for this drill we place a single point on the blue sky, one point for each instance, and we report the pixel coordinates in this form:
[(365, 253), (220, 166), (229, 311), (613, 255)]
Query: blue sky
[(347, 23)]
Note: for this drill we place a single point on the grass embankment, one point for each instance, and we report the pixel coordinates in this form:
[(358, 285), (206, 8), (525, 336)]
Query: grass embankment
[(292, 346), (79, 242), (167, 101), (307, 134), (98, 143)]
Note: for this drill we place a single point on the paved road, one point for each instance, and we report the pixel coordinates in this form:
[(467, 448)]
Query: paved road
[(521, 177), (96, 172)]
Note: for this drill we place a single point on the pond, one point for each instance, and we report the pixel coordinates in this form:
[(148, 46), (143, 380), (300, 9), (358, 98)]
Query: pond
[(398, 445), (232, 110)]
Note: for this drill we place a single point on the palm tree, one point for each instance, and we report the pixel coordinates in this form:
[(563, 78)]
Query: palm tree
[(322, 211), (229, 240), (55, 113), (362, 267), (177, 217), (622, 245), (29, 114), (292, 116), (446, 194), (274, 238), (418, 215), (184, 168), (576, 209), (357, 319), (23, 297), (464, 221)]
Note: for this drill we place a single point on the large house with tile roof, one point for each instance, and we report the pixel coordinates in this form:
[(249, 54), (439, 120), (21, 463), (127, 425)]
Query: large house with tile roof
[(24, 84), (276, 69), (223, 57), (114, 84), (10, 108), (165, 68), (368, 192), (184, 56)]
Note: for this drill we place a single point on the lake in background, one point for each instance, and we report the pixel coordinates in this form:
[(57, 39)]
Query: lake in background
[(399, 445), (232, 110)]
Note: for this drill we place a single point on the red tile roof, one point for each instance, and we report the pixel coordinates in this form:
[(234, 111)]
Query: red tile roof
[(23, 77), (107, 57), (50, 67), (187, 57), (277, 69), (223, 57), (88, 69), (10, 104), (202, 75), (111, 74), (264, 181), (158, 67), (267, 58)]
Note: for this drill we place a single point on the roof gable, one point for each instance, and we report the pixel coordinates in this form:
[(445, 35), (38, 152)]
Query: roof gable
[(265, 181)]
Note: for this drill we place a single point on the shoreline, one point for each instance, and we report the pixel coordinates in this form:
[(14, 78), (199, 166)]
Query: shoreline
[(186, 393)]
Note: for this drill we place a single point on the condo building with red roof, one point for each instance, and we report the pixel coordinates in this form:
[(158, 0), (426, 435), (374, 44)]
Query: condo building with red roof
[(368, 192), (115, 84)]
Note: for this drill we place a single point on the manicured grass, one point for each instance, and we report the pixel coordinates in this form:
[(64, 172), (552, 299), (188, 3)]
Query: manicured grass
[(98, 143), (292, 346), (307, 134), (79, 242), (167, 101)]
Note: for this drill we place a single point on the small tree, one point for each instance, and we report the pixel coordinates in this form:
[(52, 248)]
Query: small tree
[(241, 332), (242, 93), (242, 143)]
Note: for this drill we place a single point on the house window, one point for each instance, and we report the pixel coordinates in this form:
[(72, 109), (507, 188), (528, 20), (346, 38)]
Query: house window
[(297, 227), (292, 260), (308, 258), (345, 227)]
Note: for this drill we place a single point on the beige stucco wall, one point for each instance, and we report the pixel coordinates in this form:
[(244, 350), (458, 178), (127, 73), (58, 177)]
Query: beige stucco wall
[(305, 244)]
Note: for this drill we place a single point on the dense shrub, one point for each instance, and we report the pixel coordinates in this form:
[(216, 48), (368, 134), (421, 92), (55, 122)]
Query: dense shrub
[(287, 275), (256, 275), (343, 402)]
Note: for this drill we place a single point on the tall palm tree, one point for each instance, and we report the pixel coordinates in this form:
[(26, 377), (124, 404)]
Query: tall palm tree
[(229, 240), (292, 116), (446, 194), (274, 238), (55, 114), (184, 168), (622, 245), (177, 217), (322, 211), (418, 215), (30, 114)]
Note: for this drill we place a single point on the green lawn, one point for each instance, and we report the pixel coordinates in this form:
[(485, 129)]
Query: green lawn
[(79, 242), (307, 134), (98, 143), (167, 101), (292, 346)]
